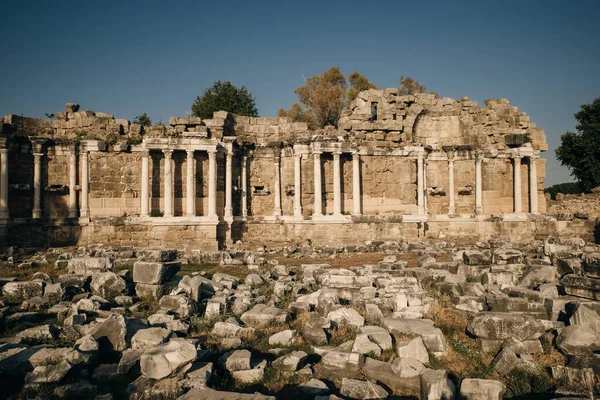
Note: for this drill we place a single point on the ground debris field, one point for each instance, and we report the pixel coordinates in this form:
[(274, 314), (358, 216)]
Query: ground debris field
[(409, 319)]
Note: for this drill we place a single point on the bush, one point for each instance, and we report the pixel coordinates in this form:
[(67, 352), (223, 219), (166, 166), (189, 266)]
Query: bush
[(156, 213), (564, 188)]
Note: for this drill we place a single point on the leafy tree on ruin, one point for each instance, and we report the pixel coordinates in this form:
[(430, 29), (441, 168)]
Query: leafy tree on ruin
[(410, 86), (323, 97), (224, 96), (358, 83), (143, 119), (580, 151)]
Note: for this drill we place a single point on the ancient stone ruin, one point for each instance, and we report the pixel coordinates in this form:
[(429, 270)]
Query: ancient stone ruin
[(408, 253), (411, 166)]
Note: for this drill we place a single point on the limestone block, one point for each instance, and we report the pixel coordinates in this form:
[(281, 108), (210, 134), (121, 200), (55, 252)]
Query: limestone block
[(108, 285), (262, 314), (482, 389), (154, 273), (435, 385), (433, 338), (89, 265), (156, 255), (17, 292), (148, 338), (167, 359), (181, 305), (356, 389), (346, 316), (505, 325)]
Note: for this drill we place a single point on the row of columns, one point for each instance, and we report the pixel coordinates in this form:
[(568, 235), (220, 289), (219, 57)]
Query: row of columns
[(190, 183), (518, 205)]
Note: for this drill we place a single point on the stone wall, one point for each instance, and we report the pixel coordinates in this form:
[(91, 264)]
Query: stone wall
[(399, 144), (574, 204)]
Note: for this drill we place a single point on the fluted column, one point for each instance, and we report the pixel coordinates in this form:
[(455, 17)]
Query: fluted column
[(168, 182), (420, 186), (37, 180), (244, 187), (355, 183), (451, 205), (4, 213), (145, 192), (277, 186), (84, 212), (533, 191), (517, 184), (212, 183), (73, 183), (190, 184), (228, 184), (478, 183), (337, 184), (318, 209), (298, 185)]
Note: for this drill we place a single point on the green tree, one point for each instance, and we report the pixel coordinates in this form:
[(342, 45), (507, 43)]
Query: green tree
[(224, 96), (358, 83), (580, 151), (143, 119), (410, 86)]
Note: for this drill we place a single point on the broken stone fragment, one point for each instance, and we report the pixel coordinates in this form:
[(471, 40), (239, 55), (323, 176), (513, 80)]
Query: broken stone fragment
[(346, 316), (180, 304), (52, 373), (414, 349), (578, 339), (355, 389), (499, 325), (89, 265), (110, 333), (108, 285), (290, 362), (435, 385), (433, 338), (148, 338), (167, 359), (261, 314), (154, 273), (482, 389)]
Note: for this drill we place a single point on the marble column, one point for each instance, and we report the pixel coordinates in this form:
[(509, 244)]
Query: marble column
[(420, 185), (4, 183), (355, 183), (517, 184), (168, 182), (451, 205), (37, 180), (145, 192), (212, 183), (478, 183), (318, 209), (298, 185), (244, 187), (228, 184), (73, 182), (84, 212), (277, 186), (190, 185), (337, 184), (533, 187)]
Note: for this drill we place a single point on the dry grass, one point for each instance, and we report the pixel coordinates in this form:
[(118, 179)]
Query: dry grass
[(23, 274), (551, 359)]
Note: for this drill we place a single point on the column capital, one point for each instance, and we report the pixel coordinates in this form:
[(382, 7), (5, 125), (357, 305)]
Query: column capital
[(534, 157), (479, 155), (317, 152), (168, 152), (212, 151), (3, 150), (38, 155), (298, 155), (450, 154), (145, 152), (190, 153)]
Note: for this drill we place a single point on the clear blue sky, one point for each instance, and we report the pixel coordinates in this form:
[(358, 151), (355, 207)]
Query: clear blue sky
[(129, 57)]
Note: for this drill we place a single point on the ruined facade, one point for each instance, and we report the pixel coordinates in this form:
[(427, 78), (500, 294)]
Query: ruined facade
[(415, 165)]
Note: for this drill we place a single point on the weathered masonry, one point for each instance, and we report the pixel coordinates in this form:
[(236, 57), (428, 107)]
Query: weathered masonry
[(395, 166)]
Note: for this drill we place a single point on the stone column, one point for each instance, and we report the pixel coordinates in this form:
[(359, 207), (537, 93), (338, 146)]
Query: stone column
[(190, 184), (228, 184), (451, 205), (73, 182), (533, 192), (212, 183), (168, 182), (145, 193), (37, 180), (244, 187), (420, 185), (277, 186), (4, 183), (355, 183), (298, 185), (84, 212), (318, 211), (337, 184), (517, 184), (478, 183)]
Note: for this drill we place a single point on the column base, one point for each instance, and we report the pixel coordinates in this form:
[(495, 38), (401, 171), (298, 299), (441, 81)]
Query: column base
[(84, 220), (277, 213), (37, 214), (72, 213)]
